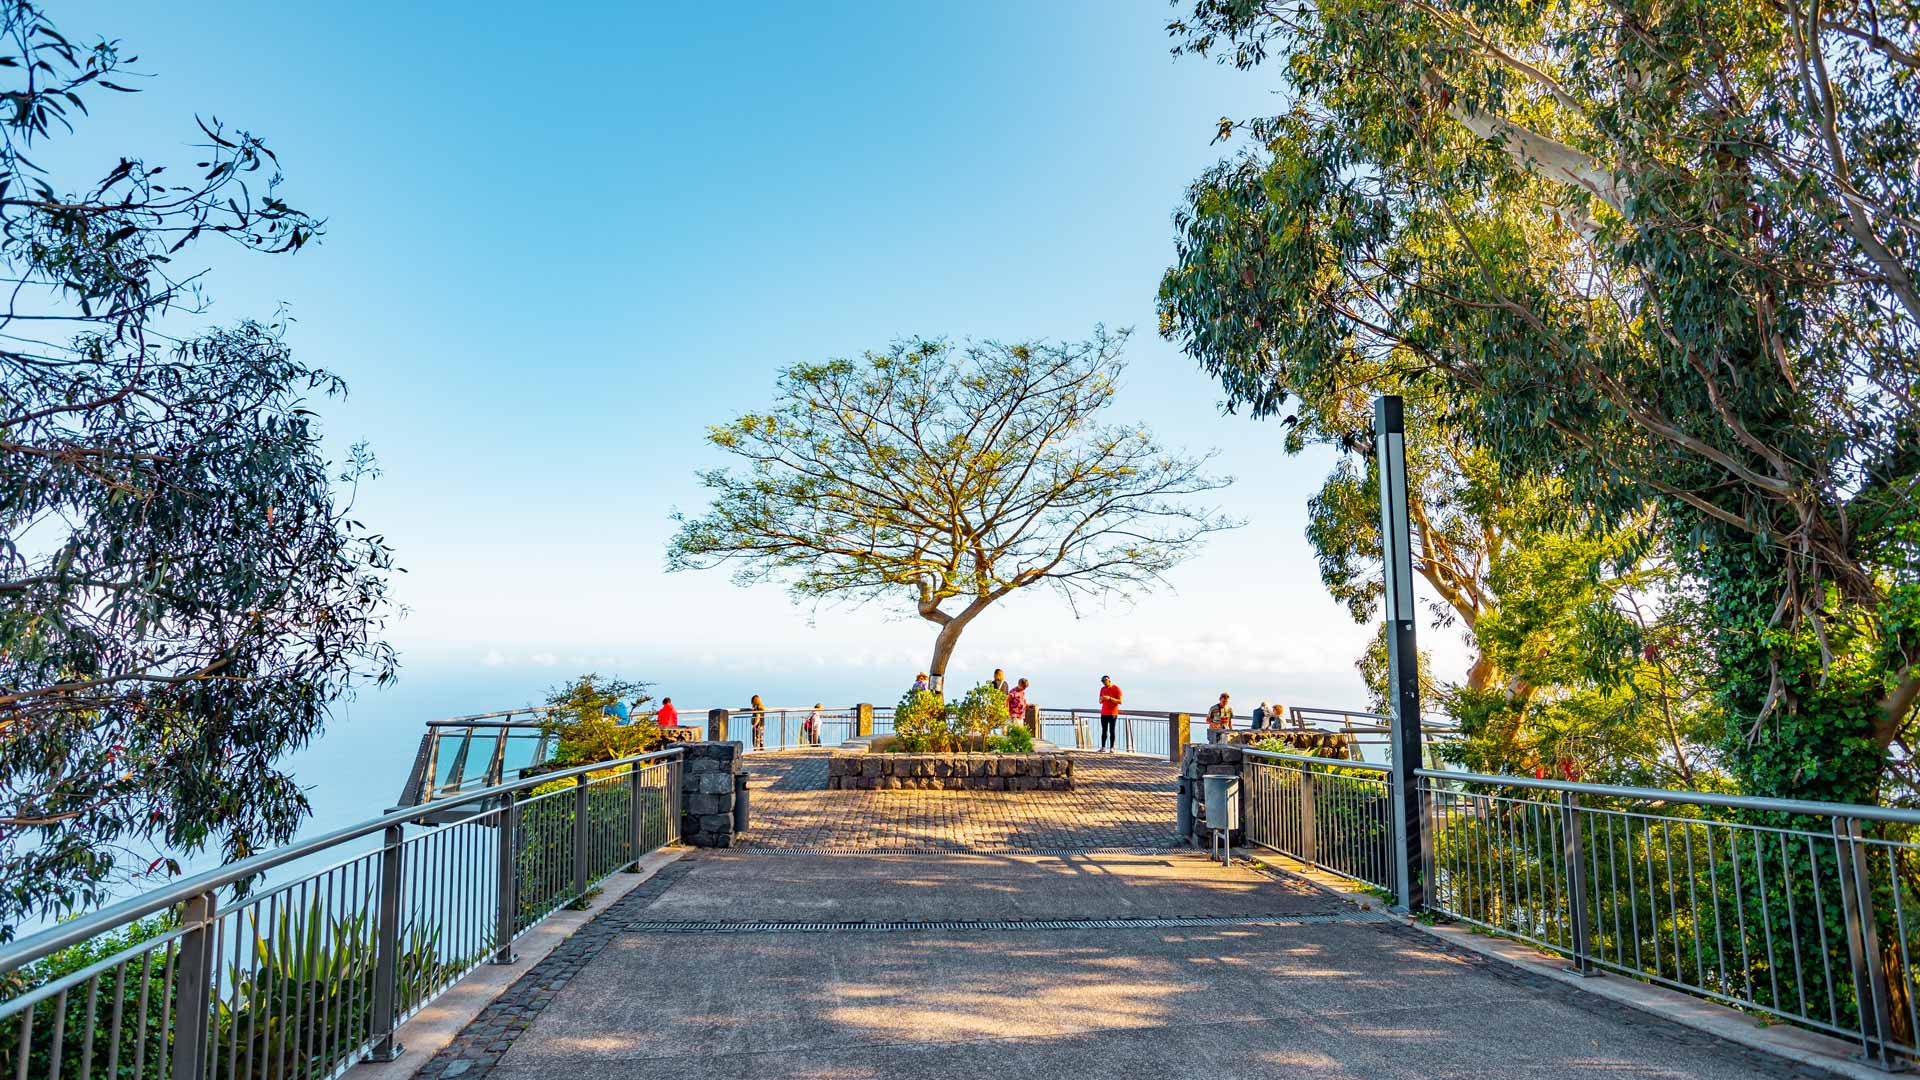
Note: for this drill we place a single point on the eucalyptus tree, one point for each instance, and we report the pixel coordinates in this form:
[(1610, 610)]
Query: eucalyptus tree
[(945, 477), (183, 591), (1652, 251)]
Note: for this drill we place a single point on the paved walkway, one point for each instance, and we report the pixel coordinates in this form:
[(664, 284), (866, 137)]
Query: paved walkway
[(1119, 802), (1091, 966)]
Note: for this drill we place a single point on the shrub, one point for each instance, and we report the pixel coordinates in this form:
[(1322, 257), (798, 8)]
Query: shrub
[(122, 992), (924, 721), (983, 711), (586, 733)]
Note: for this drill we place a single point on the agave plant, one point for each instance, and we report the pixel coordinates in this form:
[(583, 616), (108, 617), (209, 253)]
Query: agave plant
[(304, 999)]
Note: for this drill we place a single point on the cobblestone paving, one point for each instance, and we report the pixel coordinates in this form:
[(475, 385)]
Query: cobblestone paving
[(1120, 802)]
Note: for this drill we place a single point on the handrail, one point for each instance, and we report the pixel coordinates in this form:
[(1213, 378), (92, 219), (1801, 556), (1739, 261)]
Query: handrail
[(53, 939), (1698, 798), (1340, 763)]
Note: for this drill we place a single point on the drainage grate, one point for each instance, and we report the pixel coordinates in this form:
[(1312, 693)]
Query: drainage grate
[(1000, 925), (748, 844)]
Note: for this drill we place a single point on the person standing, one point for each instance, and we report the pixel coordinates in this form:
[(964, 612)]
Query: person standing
[(1109, 711), (1000, 681), (759, 723), (1260, 714), (810, 731), (1219, 719), (1017, 704), (668, 716), (920, 682)]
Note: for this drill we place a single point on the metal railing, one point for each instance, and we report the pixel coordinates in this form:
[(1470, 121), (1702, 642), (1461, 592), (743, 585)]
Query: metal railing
[(1333, 814), (1135, 731), (785, 729), (208, 979), (1799, 910)]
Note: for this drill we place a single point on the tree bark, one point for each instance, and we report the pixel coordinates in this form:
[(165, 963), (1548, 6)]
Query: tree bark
[(949, 636)]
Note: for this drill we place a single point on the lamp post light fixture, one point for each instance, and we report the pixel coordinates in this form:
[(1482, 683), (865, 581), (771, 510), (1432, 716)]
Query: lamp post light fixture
[(1403, 655)]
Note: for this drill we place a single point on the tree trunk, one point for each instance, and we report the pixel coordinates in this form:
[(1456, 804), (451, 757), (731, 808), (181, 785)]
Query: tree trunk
[(948, 637)]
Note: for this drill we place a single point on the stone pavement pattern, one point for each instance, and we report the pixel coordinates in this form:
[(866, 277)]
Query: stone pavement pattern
[(1119, 802), (1328, 995)]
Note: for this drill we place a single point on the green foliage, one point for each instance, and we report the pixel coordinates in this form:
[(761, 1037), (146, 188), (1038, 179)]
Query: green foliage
[(1639, 253), (187, 590), (587, 733), (1017, 739), (945, 477), (924, 721), (328, 964), (1605, 638), (983, 711), (123, 991)]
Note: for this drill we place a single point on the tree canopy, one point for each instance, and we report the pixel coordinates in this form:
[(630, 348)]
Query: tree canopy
[(947, 477), (185, 588), (1658, 253)]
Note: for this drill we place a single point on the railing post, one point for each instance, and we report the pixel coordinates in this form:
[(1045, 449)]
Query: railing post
[(1579, 913), (580, 840), (386, 962), (1179, 733), (1863, 944), (637, 826), (717, 725), (862, 721), (1031, 718), (196, 989), (1309, 822), (506, 881), (673, 798)]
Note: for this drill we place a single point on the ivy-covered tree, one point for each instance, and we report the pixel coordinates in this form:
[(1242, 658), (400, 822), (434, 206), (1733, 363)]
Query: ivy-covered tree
[(183, 589), (1656, 252), (949, 476)]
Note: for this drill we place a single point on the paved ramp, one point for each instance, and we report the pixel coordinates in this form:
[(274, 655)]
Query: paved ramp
[(1119, 802), (1193, 970)]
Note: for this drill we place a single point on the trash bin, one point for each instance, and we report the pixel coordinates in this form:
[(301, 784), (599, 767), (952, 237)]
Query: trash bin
[(1223, 802), (739, 802)]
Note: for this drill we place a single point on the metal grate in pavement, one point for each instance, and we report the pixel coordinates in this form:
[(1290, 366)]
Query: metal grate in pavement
[(747, 844), (999, 925)]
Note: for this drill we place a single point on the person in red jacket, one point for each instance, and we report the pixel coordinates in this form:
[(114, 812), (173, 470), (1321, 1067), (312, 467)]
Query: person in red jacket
[(1109, 711), (668, 716)]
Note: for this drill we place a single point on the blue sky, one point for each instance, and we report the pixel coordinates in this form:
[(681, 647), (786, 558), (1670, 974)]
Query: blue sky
[(563, 240)]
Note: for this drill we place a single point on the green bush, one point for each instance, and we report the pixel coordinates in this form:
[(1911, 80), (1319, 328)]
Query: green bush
[(121, 991), (925, 722), (1015, 740)]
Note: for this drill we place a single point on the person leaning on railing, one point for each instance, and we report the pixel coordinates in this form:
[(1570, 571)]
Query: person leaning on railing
[(1219, 719), (759, 722)]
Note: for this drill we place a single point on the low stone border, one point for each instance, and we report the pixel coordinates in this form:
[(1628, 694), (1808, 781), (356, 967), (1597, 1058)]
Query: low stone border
[(950, 772)]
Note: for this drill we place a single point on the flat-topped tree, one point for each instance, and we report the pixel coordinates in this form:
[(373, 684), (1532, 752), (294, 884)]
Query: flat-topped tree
[(949, 476)]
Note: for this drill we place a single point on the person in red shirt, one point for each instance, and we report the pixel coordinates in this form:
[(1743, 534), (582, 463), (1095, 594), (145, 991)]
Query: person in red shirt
[(1109, 711), (668, 716)]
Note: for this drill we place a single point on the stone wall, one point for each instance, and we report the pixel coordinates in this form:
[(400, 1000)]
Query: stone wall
[(856, 770), (706, 793), (672, 735), (1212, 760), (1327, 744)]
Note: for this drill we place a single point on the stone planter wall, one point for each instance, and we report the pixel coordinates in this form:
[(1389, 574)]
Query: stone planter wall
[(1212, 760), (950, 772), (706, 793)]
